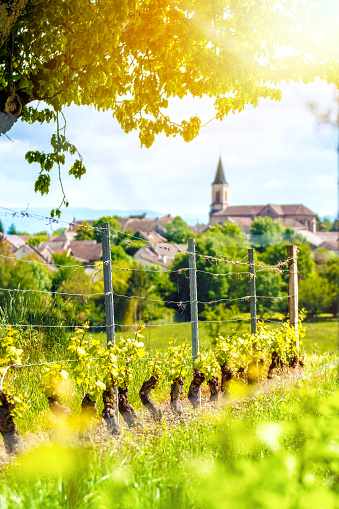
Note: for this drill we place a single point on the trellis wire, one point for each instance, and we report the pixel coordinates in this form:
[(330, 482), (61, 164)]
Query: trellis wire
[(131, 325), (99, 228), (88, 295), (181, 270)]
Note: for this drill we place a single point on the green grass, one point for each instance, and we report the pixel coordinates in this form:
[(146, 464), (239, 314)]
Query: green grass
[(320, 336)]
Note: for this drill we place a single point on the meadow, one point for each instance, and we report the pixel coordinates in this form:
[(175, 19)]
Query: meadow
[(321, 336)]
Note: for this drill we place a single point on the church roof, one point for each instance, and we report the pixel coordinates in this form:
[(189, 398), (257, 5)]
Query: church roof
[(240, 210), (297, 209), (220, 176), (255, 210)]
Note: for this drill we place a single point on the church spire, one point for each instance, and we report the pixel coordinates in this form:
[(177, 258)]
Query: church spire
[(220, 176), (219, 190)]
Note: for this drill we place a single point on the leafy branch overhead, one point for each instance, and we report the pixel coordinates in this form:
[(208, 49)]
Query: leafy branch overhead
[(60, 147), (131, 57)]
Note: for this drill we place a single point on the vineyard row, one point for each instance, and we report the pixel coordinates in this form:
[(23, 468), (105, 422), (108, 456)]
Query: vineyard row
[(108, 373)]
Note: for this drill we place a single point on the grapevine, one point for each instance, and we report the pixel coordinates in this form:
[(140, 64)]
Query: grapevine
[(176, 371), (11, 405), (96, 371)]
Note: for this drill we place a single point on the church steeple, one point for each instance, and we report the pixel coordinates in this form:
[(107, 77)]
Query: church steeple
[(219, 190), (220, 176)]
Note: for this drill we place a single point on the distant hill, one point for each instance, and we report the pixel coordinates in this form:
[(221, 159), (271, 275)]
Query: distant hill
[(81, 213)]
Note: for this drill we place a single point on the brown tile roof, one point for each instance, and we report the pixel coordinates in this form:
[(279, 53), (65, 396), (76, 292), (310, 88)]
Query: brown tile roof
[(153, 237), (240, 210), (241, 220), (144, 224), (134, 223), (329, 240), (199, 228), (25, 237), (55, 245), (86, 250), (254, 210), (161, 254), (67, 235), (277, 208), (290, 210), (27, 250), (14, 240)]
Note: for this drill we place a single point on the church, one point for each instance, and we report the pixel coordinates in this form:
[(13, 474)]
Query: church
[(297, 216)]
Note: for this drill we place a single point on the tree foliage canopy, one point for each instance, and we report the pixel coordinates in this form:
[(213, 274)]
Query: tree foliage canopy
[(178, 231), (131, 57)]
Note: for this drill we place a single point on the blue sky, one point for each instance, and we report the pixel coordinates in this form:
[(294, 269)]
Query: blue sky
[(273, 153)]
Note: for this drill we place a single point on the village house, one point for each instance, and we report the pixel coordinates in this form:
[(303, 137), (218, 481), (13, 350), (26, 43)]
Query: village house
[(27, 250), (162, 254), (151, 230), (85, 251)]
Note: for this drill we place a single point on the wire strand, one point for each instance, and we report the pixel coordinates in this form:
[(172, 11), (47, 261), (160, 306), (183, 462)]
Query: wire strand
[(96, 228)]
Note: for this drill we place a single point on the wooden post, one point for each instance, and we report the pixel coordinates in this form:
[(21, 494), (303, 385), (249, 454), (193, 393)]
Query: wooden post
[(108, 289), (292, 254), (194, 301), (253, 298)]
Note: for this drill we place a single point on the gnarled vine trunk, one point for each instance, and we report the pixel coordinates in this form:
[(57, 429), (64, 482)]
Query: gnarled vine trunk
[(127, 411), (226, 376), (110, 410), (88, 407), (294, 361), (145, 396), (176, 390), (89, 410), (8, 428), (57, 408), (276, 363), (193, 392), (213, 387)]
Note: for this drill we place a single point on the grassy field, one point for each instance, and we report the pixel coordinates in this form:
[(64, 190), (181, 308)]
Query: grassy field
[(321, 336)]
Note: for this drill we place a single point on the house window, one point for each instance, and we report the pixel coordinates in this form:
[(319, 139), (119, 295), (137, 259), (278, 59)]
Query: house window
[(217, 196)]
